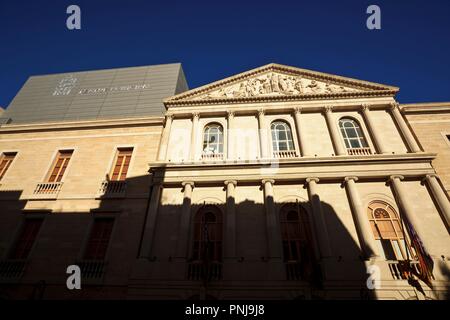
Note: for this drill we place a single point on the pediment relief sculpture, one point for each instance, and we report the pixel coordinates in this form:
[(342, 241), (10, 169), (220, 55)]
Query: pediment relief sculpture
[(275, 84)]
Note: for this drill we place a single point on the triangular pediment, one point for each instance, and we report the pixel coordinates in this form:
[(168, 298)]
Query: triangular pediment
[(276, 81)]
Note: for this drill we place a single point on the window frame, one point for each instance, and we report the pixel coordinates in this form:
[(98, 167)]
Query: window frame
[(303, 224), (18, 232), (345, 138), (53, 163), (401, 235), (288, 132), (3, 155), (114, 162), (221, 145), (86, 240), (217, 244)]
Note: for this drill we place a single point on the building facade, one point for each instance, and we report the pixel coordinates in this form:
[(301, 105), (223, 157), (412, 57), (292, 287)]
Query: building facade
[(276, 183)]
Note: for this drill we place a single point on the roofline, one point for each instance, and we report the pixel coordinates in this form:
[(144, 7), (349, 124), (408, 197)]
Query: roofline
[(425, 107), (83, 124), (271, 66)]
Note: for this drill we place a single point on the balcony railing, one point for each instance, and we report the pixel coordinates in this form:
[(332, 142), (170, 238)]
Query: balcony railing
[(48, 188), (359, 151), (113, 188), (92, 269), (198, 270), (212, 156), (11, 269), (398, 272), (285, 154)]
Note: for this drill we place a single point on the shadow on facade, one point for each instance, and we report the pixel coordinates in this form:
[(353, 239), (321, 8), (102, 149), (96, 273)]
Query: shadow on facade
[(250, 274)]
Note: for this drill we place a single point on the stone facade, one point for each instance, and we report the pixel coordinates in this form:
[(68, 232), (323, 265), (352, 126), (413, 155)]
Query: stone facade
[(178, 175)]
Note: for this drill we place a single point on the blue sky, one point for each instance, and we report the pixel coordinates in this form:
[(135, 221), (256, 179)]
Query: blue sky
[(216, 39)]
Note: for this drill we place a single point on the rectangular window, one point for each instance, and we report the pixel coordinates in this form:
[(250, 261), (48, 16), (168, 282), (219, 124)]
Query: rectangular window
[(26, 239), (99, 239), (121, 164), (5, 163), (60, 166)]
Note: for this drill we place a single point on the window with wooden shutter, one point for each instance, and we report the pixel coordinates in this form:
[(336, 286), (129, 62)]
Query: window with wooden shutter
[(99, 239), (26, 238), (388, 231), (122, 163), (60, 166), (5, 163)]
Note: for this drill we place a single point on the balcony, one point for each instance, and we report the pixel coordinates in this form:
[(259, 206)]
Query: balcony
[(92, 270), (212, 156), (359, 151), (47, 190), (199, 271), (12, 269), (398, 271), (285, 154), (113, 189)]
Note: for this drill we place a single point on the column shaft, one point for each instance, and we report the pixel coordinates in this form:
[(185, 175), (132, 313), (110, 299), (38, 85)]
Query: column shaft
[(410, 140), (263, 134), (373, 130), (334, 133), (406, 208), (162, 154), (230, 234), (365, 234), (273, 229), (149, 230), (318, 218), (185, 221), (230, 138), (440, 197), (195, 117), (301, 136)]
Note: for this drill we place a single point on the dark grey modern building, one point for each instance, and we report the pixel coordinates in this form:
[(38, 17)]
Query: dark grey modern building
[(99, 94)]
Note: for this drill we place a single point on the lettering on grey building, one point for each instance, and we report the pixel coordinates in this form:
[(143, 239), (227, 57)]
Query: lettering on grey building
[(87, 91), (65, 86)]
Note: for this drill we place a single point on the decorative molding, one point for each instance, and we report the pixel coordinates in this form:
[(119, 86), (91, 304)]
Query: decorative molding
[(316, 180), (278, 82)]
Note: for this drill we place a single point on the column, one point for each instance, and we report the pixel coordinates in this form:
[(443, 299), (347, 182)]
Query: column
[(405, 207), (165, 138), (262, 134), (230, 234), (301, 135), (273, 229), (332, 127), (318, 218), (185, 221), (439, 196), (230, 133), (149, 230), (410, 140), (365, 108), (365, 234), (195, 117)]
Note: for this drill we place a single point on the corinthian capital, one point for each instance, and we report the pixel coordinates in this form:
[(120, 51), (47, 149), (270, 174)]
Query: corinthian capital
[(328, 109), (365, 107), (195, 115), (297, 110), (261, 112), (393, 105)]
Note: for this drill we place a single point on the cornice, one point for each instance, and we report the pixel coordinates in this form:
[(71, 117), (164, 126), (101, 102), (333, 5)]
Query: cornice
[(88, 124), (429, 107), (376, 89), (303, 161)]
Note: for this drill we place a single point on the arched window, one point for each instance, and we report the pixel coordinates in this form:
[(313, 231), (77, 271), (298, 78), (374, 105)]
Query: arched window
[(208, 234), (213, 139), (298, 252), (388, 231), (281, 136), (352, 134)]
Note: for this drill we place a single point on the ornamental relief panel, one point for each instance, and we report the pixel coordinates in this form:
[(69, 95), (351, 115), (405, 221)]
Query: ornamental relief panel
[(275, 84)]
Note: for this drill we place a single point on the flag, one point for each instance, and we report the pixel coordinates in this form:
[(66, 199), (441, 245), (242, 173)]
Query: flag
[(425, 261)]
